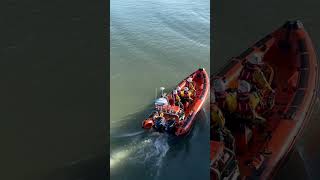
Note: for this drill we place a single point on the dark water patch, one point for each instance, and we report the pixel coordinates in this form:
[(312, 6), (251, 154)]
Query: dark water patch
[(296, 162), (92, 167)]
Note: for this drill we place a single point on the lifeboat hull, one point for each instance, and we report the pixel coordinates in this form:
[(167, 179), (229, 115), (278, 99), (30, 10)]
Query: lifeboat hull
[(201, 83), (290, 53)]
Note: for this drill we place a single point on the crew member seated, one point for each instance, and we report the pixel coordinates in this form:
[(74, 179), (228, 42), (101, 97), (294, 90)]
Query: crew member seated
[(179, 90), (159, 118), (247, 103), (227, 101), (252, 72), (177, 99), (191, 86), (158, 114), (217, 122), (186, 97), (217, 127)]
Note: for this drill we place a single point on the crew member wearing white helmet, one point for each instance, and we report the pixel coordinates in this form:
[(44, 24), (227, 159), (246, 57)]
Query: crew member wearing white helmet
[(179, 91), (224, 100), (186, 95), (253, 74), (177, 98), (248, 102), (190, 85)]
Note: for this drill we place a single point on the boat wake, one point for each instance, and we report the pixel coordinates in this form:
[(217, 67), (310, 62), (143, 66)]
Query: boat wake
[(127, 135), (154, 154), (149, 152)]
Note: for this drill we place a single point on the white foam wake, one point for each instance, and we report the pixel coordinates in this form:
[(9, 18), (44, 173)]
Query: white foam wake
[(150, 152)]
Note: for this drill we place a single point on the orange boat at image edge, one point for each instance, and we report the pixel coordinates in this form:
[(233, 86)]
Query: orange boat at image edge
[(289, 51), (183, 126)]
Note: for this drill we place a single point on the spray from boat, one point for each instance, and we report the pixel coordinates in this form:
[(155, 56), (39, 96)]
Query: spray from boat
[(150, 150)]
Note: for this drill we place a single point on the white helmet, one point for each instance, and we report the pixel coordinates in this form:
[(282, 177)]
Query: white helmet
[(186, 89), (218, 85), (178, 88), (175, 91), (189, 79), (244, 87), (255, 58)]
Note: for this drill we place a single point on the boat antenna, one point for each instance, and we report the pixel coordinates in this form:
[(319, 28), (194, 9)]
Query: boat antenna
[(161, 89), (155, 97)]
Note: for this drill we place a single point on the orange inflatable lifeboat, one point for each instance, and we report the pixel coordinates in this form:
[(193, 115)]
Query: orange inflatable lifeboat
[(292, 58), (178, 119)]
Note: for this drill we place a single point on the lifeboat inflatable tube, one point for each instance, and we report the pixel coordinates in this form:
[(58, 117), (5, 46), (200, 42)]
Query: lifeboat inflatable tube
[(200, 79), (290, 53)]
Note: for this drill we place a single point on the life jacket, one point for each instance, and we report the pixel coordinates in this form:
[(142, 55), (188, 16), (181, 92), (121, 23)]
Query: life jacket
[(179, 93), (247, 73), (260, 81), (254, 100), (243, 106), (185, 95), (231, 102), (190, 86), (217, 119), (176, 97), (220, 99)]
